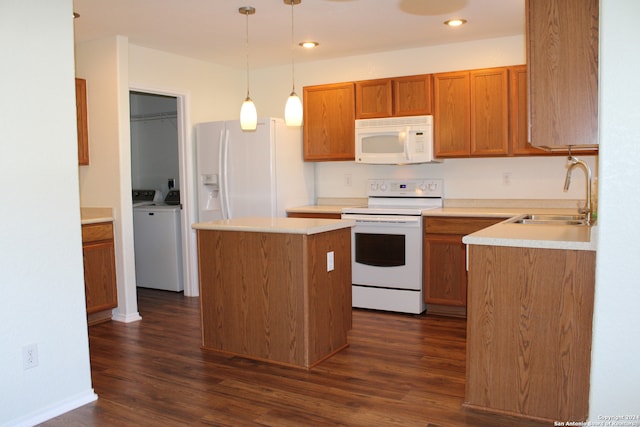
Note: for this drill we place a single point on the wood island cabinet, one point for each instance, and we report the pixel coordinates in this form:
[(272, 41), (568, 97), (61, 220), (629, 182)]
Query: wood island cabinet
[(272, 296), (397, 96), (445, 262), (562, 56), (529, 325), (98, 252), (81, 117), (329, 122)]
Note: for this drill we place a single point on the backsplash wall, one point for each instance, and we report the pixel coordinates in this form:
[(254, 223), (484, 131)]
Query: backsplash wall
[(485, 178)]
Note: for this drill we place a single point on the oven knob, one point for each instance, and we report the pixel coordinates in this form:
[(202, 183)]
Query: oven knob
[(422, 186), (374, 186), (433, 186), (383, 187)]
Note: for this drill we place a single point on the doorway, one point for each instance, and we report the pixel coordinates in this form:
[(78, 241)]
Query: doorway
[(159, 147)]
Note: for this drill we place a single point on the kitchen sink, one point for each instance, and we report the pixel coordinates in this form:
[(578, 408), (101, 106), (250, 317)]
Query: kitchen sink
[(551, 219)]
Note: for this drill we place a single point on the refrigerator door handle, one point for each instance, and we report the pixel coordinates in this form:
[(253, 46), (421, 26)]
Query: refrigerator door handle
[(224, 174)]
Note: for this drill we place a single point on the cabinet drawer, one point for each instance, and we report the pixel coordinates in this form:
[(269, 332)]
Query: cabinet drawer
[(457, 225), (96, 232)]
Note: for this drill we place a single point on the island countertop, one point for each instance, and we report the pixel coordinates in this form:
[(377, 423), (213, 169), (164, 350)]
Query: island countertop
[(276, 225)]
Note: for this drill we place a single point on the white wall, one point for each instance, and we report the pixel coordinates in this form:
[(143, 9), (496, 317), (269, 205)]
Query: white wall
[(154, 142), (41, 276), (616, 341), (498, 178), (106, 181)]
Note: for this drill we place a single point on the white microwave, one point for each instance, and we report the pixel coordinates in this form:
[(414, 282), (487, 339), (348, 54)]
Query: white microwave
[(395, 140)]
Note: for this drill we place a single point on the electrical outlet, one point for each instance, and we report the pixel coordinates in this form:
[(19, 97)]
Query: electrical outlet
[(347, 180), (30, 356), (330, 265), (506, 178)]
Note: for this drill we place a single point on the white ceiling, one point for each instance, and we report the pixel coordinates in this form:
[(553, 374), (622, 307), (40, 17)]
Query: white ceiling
[(214, 30)]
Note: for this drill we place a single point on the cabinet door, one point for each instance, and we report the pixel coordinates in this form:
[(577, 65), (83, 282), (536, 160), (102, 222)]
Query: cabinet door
[(329, 122), (445, 274), (99, 276), (519, 113), (413, 95), (562, 50), (81, 117), (451, 114), (374, 99), (489, 112)]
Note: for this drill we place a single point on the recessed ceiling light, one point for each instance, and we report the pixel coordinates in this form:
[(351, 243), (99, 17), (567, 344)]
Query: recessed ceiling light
[(309, 45), (455, 22)]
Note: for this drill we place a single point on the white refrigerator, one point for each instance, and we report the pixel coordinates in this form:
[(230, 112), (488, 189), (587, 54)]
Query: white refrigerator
[(255, 173)]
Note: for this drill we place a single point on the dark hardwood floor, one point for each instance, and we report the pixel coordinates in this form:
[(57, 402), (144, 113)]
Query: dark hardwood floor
[(399, 370)]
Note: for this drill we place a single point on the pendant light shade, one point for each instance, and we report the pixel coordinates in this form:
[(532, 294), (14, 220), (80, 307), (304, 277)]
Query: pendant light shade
[(293, 108), (248, 113)]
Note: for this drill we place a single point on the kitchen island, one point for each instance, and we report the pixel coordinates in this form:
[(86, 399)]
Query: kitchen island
[(275, 289), (530, 314)]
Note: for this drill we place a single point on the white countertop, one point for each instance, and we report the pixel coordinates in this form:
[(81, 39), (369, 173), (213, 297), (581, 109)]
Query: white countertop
[(571, 237), (506, 234), (95, 215), (276, 225)]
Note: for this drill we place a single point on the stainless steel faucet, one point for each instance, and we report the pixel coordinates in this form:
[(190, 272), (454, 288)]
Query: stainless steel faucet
[(573, 162)]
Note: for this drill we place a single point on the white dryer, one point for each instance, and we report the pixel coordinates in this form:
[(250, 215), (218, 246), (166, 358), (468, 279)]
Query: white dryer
[(158, 245)]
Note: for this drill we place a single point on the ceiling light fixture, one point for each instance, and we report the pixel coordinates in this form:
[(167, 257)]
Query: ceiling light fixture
[(248, 113), (293, 108), (455, 22), (308, 45)]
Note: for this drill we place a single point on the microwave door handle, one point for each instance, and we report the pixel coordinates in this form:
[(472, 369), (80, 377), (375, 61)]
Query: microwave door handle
[(405, 142)]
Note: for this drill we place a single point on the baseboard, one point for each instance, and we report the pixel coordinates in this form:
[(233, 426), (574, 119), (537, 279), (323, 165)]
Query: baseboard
[(53, 411), (129, 318)]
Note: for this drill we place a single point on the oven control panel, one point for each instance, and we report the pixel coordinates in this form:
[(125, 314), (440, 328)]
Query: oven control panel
[(405, 188)]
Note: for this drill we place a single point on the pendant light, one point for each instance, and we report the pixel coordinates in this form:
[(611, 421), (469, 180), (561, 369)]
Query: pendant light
[(248, 113), (293, 108)]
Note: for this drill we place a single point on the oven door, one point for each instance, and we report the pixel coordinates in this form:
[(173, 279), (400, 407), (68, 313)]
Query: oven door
[(387, 251)]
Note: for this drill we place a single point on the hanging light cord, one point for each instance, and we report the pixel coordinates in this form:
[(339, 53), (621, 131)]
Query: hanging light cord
[(293, 74), (246, 48)]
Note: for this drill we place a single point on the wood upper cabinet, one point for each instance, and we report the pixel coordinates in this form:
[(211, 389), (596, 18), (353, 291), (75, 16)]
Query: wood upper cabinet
[(398, 96), (562, 56), (489, 97), (99, 267), (329, 122), (472, 113), (452, 116), (81, 116), (445, 261), (518, 114)]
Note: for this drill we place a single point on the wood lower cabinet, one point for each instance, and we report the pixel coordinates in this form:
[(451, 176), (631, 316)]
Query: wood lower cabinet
[(98, 252), (325, 215), (562, 56), (530, 314), (445, 262), (329, 122)]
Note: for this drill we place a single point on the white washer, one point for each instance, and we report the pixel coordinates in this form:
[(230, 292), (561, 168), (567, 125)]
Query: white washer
[(158, 247)]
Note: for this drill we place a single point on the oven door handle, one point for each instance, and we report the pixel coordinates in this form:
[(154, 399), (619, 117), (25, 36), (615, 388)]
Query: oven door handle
[(391, 219)]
